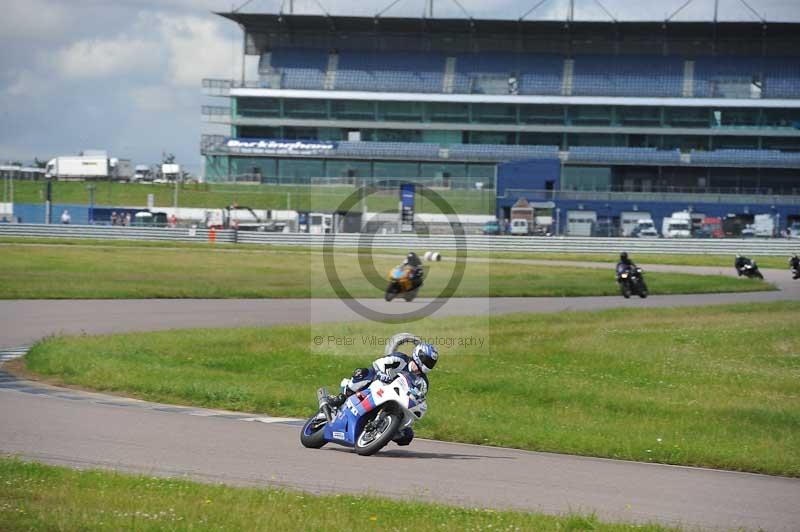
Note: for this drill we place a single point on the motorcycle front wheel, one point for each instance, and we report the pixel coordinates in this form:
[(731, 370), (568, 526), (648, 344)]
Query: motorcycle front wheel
[(373, 440), (390, 293), (313, 433)]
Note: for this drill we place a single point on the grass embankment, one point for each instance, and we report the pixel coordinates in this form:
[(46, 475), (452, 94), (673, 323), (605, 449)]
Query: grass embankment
[(101, 272), (205, 195), (723, 261), (39, 497), (715, 386)]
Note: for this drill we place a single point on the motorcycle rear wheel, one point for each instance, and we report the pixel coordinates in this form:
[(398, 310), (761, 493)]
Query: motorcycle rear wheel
[(369, 443), (313, 433)]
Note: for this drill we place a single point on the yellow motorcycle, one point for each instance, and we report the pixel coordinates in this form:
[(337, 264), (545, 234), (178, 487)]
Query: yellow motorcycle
[(402, 281)]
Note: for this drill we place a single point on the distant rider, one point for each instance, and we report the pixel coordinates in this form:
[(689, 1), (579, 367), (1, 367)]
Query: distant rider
[(624, 264), (413, 263), (385, 369), (794, 264), (740, 262)]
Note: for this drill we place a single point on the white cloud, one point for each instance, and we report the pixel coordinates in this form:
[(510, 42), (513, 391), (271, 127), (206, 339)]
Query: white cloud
[(33, 19), (104, 57), (197, 48), (154, 98)]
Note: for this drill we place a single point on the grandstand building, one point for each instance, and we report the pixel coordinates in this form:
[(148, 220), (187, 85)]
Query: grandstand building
[(628, 116)]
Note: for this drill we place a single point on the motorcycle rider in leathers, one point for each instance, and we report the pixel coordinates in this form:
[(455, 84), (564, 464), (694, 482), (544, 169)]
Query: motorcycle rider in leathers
[(386, 368)]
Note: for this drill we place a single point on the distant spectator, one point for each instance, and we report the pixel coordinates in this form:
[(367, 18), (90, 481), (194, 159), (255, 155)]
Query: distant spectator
[(173, 221), (65, 217), (127, 220), (114, 219), (4, 220)]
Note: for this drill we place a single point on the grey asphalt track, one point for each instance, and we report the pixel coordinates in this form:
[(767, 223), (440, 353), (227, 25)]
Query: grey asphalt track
[(91, 430)]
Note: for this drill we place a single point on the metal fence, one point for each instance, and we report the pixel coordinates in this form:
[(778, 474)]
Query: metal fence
[(420, 242)]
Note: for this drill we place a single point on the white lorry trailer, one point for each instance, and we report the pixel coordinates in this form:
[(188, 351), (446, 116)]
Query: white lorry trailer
[(78, 167), (679, 225)]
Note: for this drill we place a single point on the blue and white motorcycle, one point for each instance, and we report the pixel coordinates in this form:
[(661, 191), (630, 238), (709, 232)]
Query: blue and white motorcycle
[(369, 419)]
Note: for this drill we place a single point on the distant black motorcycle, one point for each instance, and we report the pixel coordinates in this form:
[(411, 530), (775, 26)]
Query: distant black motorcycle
[(631, 282), (794, 267), (748, 268)]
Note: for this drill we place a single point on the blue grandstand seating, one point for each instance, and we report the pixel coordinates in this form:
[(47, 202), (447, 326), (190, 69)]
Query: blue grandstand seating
[(491, 72), (782, 78), (390, 71), (388, 149), (301, 68), (599, 154), (500, 152), (602, 75), (536, 74), (747, 157)]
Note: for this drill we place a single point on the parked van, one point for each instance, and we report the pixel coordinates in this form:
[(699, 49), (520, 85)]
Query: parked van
[(645, 228), (519, 226)]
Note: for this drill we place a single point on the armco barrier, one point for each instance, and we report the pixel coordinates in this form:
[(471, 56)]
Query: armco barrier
[(403, 242)]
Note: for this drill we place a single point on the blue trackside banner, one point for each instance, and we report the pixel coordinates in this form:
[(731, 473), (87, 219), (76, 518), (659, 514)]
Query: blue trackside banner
[(279, 147), (407, 191)]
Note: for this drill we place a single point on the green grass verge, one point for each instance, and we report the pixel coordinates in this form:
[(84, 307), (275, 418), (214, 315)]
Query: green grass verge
[(724, 261), (117, 271), (205, 195), (707, 386), (40, 497)]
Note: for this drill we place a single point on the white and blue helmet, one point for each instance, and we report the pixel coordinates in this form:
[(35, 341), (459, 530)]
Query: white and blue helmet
[(425, 357)]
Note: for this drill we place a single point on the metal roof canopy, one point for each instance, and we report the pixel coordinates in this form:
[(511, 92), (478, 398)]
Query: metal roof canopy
[(267, 31)]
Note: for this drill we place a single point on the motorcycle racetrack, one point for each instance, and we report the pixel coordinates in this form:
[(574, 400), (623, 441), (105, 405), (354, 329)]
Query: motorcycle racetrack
[(81, 429)]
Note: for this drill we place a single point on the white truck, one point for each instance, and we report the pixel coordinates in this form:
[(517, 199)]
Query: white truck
[(645, 228), (679, 225), (764, 225), (78, 167)]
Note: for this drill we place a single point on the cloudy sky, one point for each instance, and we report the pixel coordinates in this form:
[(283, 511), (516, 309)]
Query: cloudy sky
[(125, 76)]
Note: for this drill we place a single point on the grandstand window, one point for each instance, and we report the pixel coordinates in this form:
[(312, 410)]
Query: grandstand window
[(393, 169), (685, 142), (254, 132), (686, 117), (353, 110), (400, 111), (781, 143), (492, 137), (494, 113), (782, 118), (217, 168), (392, 135), (249, 166), (448, 112), (589, 115), (258, 107), (586, 178), (300, 133), (724, 142), (542, 114), (735, 117), (447, 170), (482, 172), (297, 108), (638, 116), (443, 138), (300, 169), (331, 133), (541, 139), (335, 168), (594, 139)]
